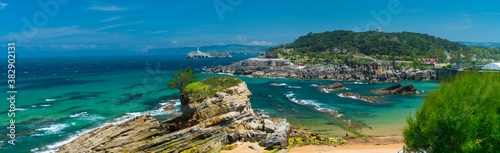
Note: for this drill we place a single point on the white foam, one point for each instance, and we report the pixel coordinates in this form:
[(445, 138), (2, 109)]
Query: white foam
[(294, 87), (314, 103), (78, 115), (53, 147), (20, 109), (47, 105), (52, 129)]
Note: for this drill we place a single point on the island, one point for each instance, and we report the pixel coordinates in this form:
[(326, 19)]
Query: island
[(201, 55)]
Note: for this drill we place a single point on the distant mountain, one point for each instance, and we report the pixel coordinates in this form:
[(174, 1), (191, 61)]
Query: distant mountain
[(480, 44), (233, 48)]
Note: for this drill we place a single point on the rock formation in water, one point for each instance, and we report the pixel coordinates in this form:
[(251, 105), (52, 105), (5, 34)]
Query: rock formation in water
[(206, 125), (370, 99), (375, 72), (397, 89), (334, 86)]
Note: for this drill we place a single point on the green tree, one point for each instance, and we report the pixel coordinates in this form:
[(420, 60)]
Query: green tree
[(182, 78), (463, 115)]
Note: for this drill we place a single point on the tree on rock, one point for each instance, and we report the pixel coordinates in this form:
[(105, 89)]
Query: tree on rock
[(182, 78), (463, 115)]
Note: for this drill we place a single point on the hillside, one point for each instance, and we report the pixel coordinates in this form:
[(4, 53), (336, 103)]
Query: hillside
[(334, 46)]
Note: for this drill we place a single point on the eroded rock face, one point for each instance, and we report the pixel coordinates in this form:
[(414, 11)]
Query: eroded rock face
[(205, 126), (397, 89)]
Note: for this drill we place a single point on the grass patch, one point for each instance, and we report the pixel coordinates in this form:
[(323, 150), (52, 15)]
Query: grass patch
[(208, 87)]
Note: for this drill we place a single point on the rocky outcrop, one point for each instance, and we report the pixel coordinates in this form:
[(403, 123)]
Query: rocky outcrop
[(370, 99), (381, 72), (206, 125), (334, 86), (397, 89), (201, 55)]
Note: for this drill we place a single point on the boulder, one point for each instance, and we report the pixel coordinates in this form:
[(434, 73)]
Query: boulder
[(398, 89)]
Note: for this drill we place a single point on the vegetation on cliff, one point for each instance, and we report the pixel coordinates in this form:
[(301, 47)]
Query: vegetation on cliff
[(463, 115), (182, 78), (209, 86), (342, 46)]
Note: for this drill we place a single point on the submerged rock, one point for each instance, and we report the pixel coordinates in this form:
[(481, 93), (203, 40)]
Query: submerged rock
[(206, 125), (334, 86), (370, 99), (397, 89)]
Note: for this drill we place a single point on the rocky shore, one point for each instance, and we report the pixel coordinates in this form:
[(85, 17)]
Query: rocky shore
[(375, 72), (206, 125)]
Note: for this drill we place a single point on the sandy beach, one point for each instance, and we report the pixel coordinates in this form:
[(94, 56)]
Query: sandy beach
[(380, 144)]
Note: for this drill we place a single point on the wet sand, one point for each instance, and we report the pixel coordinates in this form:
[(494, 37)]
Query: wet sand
[(379, 144)]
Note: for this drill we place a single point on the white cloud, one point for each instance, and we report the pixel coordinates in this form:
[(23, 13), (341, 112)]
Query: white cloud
[(261, 43), (241, 38), (111, 19), (105, 7), (157, 32), (3, 5)]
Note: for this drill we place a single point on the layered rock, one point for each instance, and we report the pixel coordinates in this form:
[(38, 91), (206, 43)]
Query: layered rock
[(397, 89), (206, 125), (370, 99), (381, 72), (334, 86)]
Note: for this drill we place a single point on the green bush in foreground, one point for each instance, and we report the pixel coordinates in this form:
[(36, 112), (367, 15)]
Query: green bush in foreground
[(463, 115)]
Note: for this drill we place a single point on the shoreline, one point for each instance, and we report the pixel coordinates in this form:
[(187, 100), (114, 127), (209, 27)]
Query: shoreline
[(375, 144)]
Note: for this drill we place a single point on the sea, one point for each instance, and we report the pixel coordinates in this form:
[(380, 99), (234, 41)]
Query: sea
[(61, 98)]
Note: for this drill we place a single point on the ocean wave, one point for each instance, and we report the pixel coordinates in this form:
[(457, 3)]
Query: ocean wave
[(318, 106), (51, 129), (46, 105), (294, 87), (20, 109), (78, 114), (128, 116), (278, 84)]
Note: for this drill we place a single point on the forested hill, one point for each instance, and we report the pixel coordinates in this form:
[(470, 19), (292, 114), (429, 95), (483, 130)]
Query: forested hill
[(374, 43)]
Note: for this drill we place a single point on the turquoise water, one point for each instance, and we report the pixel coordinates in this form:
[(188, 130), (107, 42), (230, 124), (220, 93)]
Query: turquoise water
[(60, 98)]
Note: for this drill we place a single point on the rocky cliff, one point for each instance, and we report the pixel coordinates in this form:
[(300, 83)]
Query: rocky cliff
[(206, 125), (375, 72)]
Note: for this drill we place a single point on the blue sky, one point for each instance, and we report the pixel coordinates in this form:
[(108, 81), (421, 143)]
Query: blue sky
[(140, 25)]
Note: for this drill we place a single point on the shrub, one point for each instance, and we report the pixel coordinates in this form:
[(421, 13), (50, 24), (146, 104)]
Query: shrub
[(463, 115), (208, 87)]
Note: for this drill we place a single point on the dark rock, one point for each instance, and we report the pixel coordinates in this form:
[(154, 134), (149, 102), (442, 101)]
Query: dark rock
[(398, 89)]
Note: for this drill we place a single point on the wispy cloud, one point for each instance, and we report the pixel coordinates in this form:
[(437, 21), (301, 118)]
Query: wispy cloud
[(2, 5), (492, 13), (111, 19), (261, 43), (241, 38), (464, 22), (106, 7), (157, 32)]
